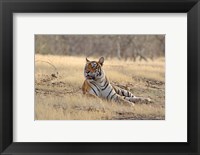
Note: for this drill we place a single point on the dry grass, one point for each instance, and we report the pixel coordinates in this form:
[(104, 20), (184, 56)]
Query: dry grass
[(59, 96)]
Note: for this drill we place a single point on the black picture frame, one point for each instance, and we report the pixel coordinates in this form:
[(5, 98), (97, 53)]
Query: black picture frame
[(8, 7)]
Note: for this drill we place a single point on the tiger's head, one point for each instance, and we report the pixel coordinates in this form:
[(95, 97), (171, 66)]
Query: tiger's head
[(93, 70)]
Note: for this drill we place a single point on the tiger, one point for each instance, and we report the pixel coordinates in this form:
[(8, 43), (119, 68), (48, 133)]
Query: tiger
[(97, 84)]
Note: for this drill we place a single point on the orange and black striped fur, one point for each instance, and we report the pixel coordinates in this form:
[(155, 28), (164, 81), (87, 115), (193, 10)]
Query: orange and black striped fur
[(97, 84)]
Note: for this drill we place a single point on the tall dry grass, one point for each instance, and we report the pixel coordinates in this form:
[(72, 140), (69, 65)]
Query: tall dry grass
[(59, 97)]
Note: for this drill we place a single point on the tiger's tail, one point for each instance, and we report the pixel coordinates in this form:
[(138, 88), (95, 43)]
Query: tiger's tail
[(123, 92), (130, 97)]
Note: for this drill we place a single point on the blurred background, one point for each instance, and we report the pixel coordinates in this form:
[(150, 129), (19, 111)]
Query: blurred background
[(141, 47)]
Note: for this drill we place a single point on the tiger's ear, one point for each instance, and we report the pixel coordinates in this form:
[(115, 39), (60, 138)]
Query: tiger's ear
[(87, 60), (101, 60)]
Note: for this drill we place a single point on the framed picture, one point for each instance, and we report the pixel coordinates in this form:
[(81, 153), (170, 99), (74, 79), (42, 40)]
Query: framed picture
[(99, 77)]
